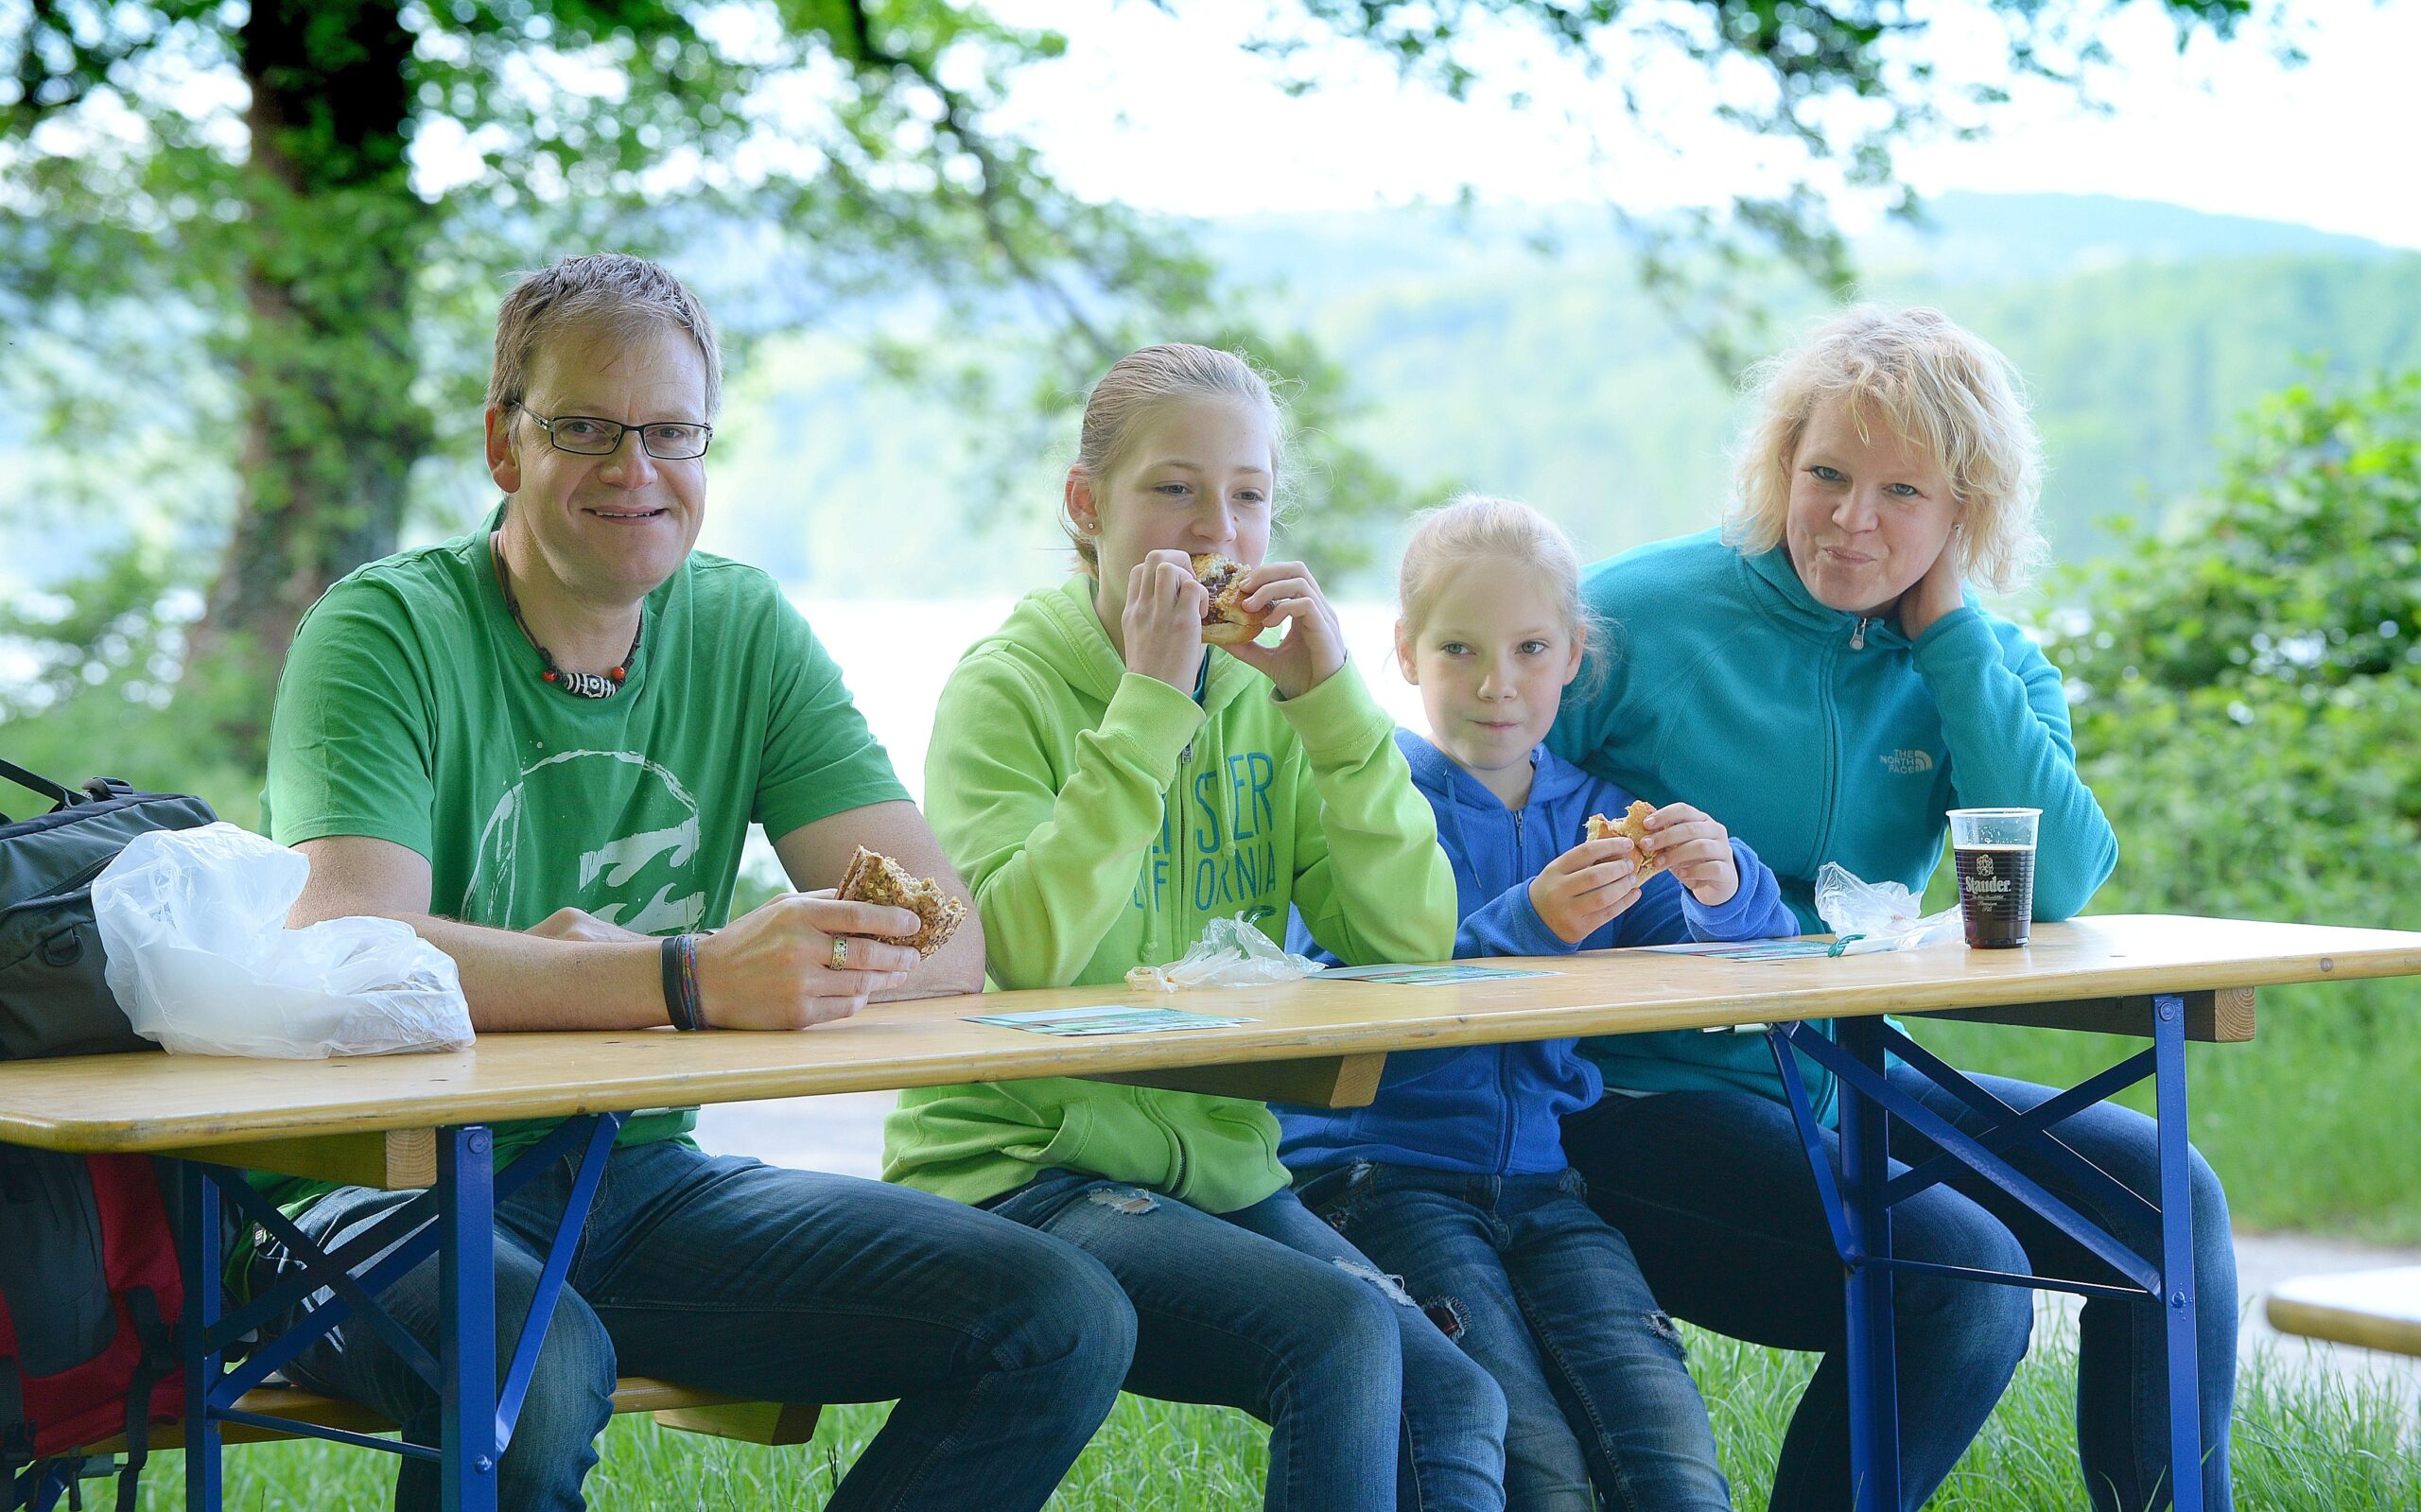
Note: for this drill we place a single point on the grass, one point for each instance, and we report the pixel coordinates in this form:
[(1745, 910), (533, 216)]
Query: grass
[(2304, 1443)]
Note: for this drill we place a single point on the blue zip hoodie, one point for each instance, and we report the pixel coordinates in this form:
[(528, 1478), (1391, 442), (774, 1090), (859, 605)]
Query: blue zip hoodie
[(1816, 735), (1494, 1110)]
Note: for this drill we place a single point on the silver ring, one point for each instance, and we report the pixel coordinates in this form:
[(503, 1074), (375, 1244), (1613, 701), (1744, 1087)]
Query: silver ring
[(840, 957)]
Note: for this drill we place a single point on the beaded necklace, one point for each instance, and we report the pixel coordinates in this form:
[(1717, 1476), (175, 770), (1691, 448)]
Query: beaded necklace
[(579, 685)]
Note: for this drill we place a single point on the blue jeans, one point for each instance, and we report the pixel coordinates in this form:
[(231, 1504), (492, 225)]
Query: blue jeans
[(1544, 1295), (1003, 1347), (1268, 1309), (1713, 1190)]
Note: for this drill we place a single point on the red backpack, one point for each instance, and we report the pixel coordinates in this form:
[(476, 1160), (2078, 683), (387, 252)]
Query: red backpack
[(89, 1296)]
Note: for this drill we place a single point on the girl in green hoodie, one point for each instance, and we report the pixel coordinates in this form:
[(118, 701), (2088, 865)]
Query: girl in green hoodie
[(1108, 784)]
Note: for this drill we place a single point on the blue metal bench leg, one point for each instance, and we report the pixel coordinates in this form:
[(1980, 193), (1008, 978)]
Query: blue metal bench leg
[(2177, 1254), (466, 1289), (39, 1488), (201, 1261), (1874, 1395)]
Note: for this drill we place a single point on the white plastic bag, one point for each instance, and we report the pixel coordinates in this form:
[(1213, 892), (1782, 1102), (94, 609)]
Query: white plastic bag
[(1232, 953), (193, 922), (1868, 916)]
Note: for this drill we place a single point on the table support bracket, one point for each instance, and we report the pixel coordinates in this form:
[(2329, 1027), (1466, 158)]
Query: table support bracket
[(1858, 1195), (454, 1221)]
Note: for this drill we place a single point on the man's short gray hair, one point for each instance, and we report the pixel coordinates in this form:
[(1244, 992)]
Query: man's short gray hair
[(609, 292)]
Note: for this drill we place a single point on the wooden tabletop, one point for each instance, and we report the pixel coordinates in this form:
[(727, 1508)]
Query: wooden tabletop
[(2377, 1310), (163, 1102)]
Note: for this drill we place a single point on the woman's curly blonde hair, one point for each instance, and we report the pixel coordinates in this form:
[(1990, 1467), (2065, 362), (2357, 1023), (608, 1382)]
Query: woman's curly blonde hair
[(1929, 380)]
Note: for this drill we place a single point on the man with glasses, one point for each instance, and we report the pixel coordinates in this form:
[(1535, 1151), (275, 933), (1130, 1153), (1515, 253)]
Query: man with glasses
[(542, 745)]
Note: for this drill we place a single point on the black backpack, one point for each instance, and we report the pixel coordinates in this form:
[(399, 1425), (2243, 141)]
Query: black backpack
[(89, 1286), (53, 1001)]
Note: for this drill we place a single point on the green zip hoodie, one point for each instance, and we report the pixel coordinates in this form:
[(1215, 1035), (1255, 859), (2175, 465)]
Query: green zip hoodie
[(1103, 818)]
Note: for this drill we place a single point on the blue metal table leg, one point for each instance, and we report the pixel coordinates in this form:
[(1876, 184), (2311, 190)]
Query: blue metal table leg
[(1874, 1394), (2177, 1254), (198, 1248), (466, 1291)]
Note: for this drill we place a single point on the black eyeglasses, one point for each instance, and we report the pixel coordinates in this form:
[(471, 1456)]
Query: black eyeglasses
[(670, 441)]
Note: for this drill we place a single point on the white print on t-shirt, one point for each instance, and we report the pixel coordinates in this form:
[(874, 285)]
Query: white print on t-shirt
[(522, 855), (627, 856)]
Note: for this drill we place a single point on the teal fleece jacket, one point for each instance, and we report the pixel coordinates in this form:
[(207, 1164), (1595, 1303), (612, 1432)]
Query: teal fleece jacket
[(1818, 736)]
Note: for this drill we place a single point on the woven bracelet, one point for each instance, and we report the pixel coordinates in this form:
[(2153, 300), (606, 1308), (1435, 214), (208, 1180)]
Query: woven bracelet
[(681, 1004)]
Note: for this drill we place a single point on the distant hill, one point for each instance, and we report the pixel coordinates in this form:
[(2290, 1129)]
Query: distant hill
[(1994, 237), (1962, 237), (2143, 331), (1556, 382), (1515, 352)]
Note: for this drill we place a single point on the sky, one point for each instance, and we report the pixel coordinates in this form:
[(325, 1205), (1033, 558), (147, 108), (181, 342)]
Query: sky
[(1167, 112)]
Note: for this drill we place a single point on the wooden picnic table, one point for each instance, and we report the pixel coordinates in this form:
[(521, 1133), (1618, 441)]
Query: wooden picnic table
[(422, 1120)]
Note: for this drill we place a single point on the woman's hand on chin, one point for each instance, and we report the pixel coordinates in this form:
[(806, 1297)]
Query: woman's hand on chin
[(1936, 594)]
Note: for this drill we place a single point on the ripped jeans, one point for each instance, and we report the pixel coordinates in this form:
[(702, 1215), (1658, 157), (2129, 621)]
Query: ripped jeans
[(1544, 1293), (1268, 1309)]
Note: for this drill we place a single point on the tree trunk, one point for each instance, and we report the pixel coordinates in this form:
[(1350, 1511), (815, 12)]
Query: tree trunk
[(326, 366)]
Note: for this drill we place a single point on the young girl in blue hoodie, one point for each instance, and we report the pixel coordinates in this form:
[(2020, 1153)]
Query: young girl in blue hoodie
[(1455, 1179)]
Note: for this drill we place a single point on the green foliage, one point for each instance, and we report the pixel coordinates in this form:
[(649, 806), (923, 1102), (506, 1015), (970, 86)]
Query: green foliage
[(2246, 685), (327, 197), (2256, 667), (325, 194), (104, 657), (2304, 571)]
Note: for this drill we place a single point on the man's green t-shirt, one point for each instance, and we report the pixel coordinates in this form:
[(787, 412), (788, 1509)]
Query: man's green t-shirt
[(413, 710)]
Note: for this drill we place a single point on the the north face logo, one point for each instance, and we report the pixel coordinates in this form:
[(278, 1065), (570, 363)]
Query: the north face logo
[(1908, 763)]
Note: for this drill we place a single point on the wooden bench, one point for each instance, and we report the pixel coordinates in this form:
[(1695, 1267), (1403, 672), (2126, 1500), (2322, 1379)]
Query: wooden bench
[(407, 1159), (682, 1407), (2376, 1310)]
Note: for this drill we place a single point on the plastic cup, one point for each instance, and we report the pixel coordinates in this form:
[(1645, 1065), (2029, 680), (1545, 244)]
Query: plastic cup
[(1993, 850)]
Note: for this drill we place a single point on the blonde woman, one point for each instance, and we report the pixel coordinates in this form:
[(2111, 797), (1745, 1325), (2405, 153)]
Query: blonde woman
[(1819, 673)]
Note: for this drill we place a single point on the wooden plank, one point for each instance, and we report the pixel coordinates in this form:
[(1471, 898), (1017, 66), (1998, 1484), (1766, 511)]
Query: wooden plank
[(2221, 1016), (391, 1160), (2376, 1309), (288, 1402), (751, 1422), (175, 1101), (1321, 1080), (631, 1394)]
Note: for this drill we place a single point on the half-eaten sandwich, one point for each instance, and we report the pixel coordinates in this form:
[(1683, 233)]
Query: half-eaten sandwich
[(1224, 620), (1633, 828), (874, 877)]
